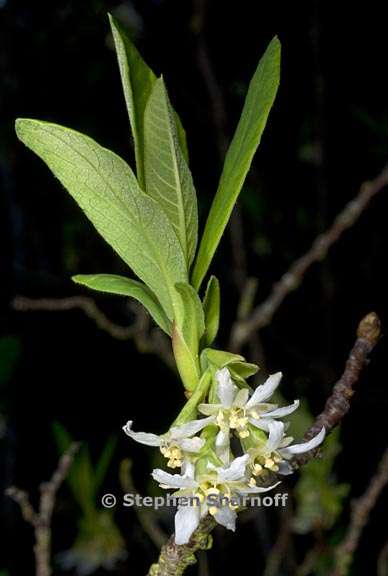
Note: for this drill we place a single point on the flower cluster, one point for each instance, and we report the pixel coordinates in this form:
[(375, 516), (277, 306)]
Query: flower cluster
[(208, 465)]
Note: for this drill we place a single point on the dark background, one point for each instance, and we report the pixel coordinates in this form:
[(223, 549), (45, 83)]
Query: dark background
[(328, 132)]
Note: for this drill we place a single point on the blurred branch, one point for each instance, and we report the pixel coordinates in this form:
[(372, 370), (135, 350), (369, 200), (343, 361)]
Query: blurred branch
[(146, 340), (277, 553), (338, 404), (264, 312), (361, 510), (41, 520), (174, 559), (146, 516), (382, 562)]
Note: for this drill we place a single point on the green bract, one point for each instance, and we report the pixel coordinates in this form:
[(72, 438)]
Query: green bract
[(150, 219)]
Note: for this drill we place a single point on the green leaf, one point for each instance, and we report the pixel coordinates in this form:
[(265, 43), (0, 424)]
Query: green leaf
[(168, 178), (188, 330), (106, 189), (10, 349), (244, 369), (81, 472), (137, 81), (191, 318), (122, 286), (221, 358), (261, 95), (189, 410), (103, 462), (211, 307)]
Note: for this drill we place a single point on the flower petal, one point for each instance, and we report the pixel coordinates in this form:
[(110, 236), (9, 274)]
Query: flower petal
[(266, 390), (191, 444), (255, 489), (276, 433), (304, 446), (186, 521), (188, 469), (241, 398), (167, 480), (226, 390), (226, 517), (262, 424), (142, 437), (189, 428), (223, 445), (280, 412), (235, 471)]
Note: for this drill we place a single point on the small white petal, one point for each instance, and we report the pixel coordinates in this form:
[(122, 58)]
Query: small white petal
[(280, 412), (241, 398), (235, 471), (186, 521), (188, 469), (142, 437), (266, 390), (189, 428), (276, 433), (262, 424), (167, 480), (226, 517), (223, 446), (256, 489), (226, 390), (191, 444), (305, 446)]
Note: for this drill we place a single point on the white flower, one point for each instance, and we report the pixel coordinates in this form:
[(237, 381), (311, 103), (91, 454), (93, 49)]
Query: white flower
[(223, 484), (176, 443), (236, 410), (275, 452)]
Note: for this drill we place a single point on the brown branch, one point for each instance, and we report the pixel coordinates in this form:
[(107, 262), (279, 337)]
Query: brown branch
[(382, 562), (41, 520), (174, 559), (146, 516), (361, 510), (84, 303), (150, 341), (338, 404), (264, 312), (278, 551)]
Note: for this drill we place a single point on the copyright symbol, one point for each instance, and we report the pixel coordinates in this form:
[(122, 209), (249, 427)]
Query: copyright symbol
[(108, 501)]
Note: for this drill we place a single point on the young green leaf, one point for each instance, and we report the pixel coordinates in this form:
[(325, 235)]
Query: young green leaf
[(103, 463), (188, 330), (220, 358), (122, 286), (137, 81), (211, 307), (80, 477), (191, 318), (189, 410), (106, 189), (261, 95), (168, 178)]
